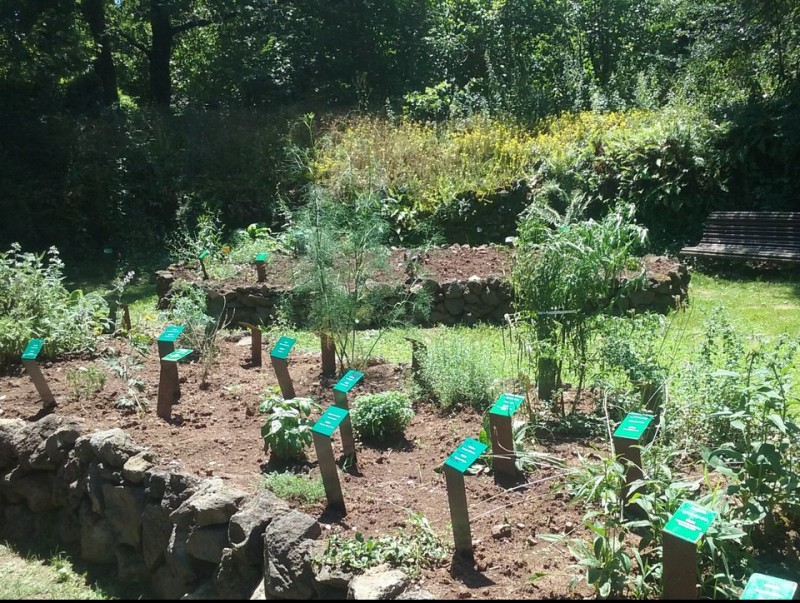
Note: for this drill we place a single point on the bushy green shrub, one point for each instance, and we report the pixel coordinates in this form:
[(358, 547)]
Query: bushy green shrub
[(287, 430), (454, 373), (34, 303), (380, 416)]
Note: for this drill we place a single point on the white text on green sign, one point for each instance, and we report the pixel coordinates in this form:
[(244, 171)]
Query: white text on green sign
[(467, 453), (282, 348), (506, 405), (633, 426), (32, 349), (690, 522), (261, 257), (761, 586), (171, 333), (177, 355), (330, 420), (347, 382)]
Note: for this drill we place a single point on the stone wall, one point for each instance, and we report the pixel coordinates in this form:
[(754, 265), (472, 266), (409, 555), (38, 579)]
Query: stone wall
[(476, 299), (107, 501)]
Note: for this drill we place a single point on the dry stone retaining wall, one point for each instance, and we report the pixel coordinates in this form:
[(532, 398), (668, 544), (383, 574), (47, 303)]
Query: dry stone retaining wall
[(469, 301), (108, 501)]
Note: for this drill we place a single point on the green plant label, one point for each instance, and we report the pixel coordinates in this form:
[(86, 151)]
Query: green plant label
[(261, 257), (330, 420), (467, 453), (761, 586), (506, 405), (32, 349), (633, 426), (203, 254), (347, 382), (282, 348), (108, 250), (690, 522), (177, 355), (171, 333)]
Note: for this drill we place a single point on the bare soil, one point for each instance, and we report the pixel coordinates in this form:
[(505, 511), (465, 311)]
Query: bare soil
[(215, 431)]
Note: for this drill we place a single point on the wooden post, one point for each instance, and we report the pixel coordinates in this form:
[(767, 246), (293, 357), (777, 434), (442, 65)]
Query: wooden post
[(328, 352), (260, 270), (280, 364), (455, 466), (322, 433), (681, 534), (628, 439), (169, 388), (255, 345), (29, 356), (502, 434), (126, 317), (340, 391)]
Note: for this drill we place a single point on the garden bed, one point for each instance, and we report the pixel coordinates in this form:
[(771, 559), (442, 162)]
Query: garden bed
[(215, 431), (467, 285)]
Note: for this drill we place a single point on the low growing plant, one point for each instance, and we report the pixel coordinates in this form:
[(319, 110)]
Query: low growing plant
[(125, 367), (409, 550), (299, 489), (287, 430), (85, 381), (378, 417)]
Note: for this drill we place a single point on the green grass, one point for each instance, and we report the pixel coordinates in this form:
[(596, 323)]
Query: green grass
[(299, 489), (52, 577)]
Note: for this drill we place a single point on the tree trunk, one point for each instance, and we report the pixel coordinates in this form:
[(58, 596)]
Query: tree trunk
[(160, 54), (95, 15)]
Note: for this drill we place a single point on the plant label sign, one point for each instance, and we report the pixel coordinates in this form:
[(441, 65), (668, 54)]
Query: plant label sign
[(32, 349), (690, 522), (761, 586), (261, 257), (633, 426), (506, 405), (467, 453), (282, 348), (329, 421), (347, 382), (171, 333), (177, 355), (203, 254)]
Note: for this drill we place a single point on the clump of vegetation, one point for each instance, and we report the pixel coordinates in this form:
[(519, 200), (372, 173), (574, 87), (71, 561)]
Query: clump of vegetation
[(125, 367), (85, 381), (34, 303), (378, 417), (410, 550), (299, 489), (453, 373), (287, 430)]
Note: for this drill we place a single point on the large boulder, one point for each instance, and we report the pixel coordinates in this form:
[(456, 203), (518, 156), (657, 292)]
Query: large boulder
[(288, 551), (213, 503), (247, 526)]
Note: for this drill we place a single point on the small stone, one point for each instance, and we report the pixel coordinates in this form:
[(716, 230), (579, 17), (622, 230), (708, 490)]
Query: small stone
[(502, 530), (520, 526)]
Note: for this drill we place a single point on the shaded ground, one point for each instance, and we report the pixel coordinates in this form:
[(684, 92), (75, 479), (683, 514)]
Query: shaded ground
[(215, 432)]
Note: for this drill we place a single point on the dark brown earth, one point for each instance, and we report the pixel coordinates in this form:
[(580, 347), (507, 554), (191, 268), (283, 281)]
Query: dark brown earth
[(215, 431)]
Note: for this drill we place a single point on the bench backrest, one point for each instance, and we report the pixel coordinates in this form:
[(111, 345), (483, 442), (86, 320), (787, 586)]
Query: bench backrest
[(763, 229)]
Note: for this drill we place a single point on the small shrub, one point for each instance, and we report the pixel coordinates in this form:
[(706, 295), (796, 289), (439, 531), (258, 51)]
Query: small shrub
[(299, 489), (85, 381), (378, 417), (287, 431), (455, 373)]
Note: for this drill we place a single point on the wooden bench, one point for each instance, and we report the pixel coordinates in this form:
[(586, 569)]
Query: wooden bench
[(770, 236)]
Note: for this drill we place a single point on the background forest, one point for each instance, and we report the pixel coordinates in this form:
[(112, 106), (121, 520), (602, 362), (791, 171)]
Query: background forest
[(124, 120)]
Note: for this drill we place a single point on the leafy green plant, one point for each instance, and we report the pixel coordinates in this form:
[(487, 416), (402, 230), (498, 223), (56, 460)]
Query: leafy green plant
[(287, 430), (125, 367), (201, 332), (34, 303), (85, 381), (299, 489), (190, 239), (378, 417), (565, 270), (410, 550)]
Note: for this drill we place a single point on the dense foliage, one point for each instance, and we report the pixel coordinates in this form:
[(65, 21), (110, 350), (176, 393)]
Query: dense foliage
[(123, 120)]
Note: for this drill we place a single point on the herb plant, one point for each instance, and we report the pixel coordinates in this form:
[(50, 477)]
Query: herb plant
[(378, 417), (287, 430)]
